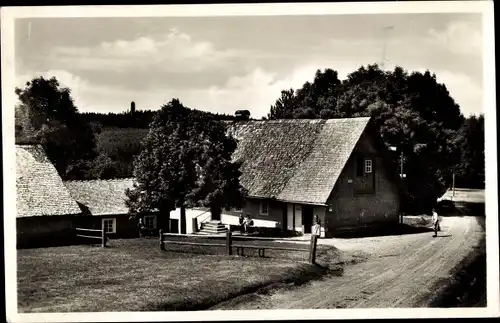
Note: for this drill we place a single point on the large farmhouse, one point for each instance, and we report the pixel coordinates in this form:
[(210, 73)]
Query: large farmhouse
[(295, 169)]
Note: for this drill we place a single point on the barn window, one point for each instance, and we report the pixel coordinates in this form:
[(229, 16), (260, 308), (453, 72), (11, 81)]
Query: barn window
[(150, 221), (264, 209), (368, 166), (109, 225)]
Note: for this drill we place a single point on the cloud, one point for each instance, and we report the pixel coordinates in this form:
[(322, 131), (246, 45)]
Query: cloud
[(173, 52), (466, 93), (254, 91), (459, 38), (82, 91)]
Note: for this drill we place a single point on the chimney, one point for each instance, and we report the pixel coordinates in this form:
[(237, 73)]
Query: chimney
[(132, 107)]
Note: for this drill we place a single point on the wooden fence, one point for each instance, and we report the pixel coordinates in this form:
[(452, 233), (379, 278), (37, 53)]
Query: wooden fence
[(102, 237), (238, 242)]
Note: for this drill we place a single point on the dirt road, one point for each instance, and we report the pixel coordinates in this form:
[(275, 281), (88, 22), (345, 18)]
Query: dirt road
[(401, 271)]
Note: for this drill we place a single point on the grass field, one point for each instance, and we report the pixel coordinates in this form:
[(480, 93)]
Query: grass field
[(134, 275)]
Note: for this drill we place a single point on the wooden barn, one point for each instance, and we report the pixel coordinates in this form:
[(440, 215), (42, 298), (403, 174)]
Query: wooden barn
[(44, 207), (295, 169), (103, 206)]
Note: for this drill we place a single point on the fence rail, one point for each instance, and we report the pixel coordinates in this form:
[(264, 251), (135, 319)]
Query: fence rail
[(311, 248), (83, 229), (103, 236)]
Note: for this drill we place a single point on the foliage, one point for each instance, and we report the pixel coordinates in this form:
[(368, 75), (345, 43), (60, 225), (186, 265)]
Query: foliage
[(185, 161), (137, 119), (412, 112), (470, 172), (47, 115)]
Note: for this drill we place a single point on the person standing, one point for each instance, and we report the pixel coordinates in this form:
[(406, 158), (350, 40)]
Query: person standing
[(435, 221), (140, 227), (241, 220), (247, 223), (316, 229)]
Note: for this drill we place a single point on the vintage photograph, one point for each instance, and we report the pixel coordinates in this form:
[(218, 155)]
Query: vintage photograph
[(228, 162)]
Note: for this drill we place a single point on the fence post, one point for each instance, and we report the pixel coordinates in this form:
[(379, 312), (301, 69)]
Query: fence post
[(162, 244), (229, 247), (312, 255), (103, 242)]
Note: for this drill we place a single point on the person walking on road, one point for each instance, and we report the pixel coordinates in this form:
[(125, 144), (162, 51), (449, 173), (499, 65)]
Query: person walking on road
[(435, 221)]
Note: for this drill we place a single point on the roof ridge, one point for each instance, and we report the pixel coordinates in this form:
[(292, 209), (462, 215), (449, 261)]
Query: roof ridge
[(99, 180), (302, 120)]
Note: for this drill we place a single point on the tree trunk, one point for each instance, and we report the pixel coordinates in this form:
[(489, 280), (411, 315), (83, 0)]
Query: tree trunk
[(164, 220), (215, 211), (183, 220)]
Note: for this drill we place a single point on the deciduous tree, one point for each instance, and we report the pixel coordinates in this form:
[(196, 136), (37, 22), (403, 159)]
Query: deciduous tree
[(47, 115), (185, 162)]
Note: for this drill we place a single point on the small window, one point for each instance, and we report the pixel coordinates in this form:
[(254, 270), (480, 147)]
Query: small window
[(109, 225), (368, 166), (227, 209), (264, 208), (238, 209), (150, 221)]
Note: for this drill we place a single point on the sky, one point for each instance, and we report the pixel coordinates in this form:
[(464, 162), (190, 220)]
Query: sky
[(224, 64)]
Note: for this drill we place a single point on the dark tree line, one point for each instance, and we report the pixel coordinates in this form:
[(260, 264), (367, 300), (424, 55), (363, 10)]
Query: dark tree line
[(137, 119)]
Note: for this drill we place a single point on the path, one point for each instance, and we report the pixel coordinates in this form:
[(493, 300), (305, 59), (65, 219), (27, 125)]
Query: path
[(400, 272)]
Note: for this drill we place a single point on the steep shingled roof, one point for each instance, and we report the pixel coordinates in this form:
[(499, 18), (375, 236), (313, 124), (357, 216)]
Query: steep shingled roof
[(40, 189), (101, 197), (295, 160)]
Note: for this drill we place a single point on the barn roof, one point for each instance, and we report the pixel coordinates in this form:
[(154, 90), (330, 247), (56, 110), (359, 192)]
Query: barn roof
[(101, 197), (40, 189), (295, 160)]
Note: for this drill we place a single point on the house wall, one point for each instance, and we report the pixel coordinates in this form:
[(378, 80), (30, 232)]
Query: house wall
[(125, 227), (41, 231), (274, 218), (347, 208)]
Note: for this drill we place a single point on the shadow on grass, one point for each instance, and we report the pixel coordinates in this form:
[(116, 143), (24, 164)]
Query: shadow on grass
[(296, 278), (392, 230)]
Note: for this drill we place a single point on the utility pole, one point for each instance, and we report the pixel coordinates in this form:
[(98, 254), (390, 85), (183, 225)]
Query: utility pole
[(453, 185)]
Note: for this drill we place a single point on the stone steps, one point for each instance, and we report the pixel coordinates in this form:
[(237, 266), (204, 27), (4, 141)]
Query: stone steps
[(212, 227)]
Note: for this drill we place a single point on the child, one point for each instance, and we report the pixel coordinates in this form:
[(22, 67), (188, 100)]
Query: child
[(247, 223)]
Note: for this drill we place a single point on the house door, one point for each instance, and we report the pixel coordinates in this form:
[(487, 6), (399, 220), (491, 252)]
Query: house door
[(307, 218)]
